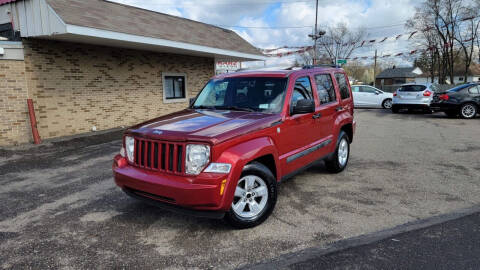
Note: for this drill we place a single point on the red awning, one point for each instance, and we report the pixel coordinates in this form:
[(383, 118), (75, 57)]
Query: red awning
[(2, 2)]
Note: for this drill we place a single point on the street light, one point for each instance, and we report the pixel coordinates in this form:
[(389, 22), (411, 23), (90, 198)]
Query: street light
[(315, 37)]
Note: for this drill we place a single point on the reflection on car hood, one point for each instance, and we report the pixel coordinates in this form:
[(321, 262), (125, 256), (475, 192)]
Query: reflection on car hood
[(204, 125)]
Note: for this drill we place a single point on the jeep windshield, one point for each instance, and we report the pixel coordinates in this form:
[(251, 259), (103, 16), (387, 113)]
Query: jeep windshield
[(259, 94)]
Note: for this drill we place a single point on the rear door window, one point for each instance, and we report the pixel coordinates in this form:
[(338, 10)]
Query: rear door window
[(342, 85), (412, 88), (325, 89)]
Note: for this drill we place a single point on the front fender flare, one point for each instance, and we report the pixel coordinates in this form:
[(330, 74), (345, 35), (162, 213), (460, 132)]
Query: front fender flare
[(239, 156)]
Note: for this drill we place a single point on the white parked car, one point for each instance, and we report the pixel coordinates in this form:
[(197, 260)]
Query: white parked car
[(413, 96), (371, 97)]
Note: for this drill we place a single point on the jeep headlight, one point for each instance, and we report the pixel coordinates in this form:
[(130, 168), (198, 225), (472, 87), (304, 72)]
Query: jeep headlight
[(196, 158), (129, 147)]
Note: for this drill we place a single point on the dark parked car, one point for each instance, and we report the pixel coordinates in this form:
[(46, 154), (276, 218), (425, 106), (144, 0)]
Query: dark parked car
[(463, 101)]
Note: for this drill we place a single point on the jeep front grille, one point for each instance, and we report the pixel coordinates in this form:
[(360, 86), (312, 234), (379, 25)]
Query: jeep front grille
[(159, 155)]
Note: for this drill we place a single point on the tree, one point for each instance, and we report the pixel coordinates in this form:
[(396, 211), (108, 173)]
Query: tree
[(339, 42), (304, 58), (438, 21), (467, 34)]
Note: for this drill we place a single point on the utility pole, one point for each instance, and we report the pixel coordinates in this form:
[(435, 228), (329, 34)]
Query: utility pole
[(316, 35), (375, 70), (315, 40)]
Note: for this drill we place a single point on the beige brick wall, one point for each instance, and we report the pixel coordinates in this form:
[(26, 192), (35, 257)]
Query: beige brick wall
[(76, 86), (14, 122)]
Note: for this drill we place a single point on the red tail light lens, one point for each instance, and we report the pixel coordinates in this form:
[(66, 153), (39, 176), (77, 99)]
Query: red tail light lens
[(444, 97), (395, 93), (427, 93)]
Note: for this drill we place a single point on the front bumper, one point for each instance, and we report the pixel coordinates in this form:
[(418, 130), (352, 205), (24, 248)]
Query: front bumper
[(187, 194), (152, 200)]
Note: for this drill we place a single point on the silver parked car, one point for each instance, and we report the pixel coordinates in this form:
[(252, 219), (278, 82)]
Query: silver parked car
[(371, 97), (413, 96)]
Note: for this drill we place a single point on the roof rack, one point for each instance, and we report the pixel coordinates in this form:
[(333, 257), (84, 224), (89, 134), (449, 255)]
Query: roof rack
[(321, 65)]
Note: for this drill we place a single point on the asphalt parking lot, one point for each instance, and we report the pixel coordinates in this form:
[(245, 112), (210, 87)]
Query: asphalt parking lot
[(60, 208)]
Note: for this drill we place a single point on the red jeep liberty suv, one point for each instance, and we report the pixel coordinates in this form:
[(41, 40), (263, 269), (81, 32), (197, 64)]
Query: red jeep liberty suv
[(244, 133)]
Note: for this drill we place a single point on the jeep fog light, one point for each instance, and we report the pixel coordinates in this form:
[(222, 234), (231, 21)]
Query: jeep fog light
[(218, 168), (129, 147), (196, 158)]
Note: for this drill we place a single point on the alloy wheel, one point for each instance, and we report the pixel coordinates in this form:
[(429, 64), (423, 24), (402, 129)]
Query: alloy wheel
[(251, 196), (468, 111), (343, 152), (387, 104)]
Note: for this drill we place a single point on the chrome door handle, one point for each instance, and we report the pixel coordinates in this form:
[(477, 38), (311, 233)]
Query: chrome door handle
[(317, 115), (339, 108)]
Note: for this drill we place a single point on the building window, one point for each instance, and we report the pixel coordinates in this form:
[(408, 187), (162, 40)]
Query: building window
[(174, 87), (460, 78), (7, 32)]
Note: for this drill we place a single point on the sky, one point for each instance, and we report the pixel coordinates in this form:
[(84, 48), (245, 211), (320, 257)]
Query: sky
[(271, 24)]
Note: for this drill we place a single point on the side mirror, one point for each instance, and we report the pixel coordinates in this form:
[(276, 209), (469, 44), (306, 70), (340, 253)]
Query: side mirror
[(191, 101), (303, 106)]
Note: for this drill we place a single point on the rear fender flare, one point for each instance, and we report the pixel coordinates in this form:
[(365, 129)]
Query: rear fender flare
[(339, 123)]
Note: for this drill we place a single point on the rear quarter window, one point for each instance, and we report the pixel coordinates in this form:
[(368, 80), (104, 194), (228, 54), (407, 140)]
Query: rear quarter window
[(342, 85), (474, 90), (412, 88)]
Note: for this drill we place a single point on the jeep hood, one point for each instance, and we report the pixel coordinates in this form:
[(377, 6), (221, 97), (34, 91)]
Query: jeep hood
[(212, 126)]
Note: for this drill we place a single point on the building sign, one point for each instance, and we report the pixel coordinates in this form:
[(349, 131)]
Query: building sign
[(225, 65)]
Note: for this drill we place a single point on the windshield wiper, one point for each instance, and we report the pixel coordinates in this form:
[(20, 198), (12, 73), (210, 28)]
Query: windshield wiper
[(235, 108), (204, 107)]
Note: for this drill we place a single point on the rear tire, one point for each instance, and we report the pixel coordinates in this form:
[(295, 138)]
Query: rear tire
[(338, 162), (245, 215), (468, 111)]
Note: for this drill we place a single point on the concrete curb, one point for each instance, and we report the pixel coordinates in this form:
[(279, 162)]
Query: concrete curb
[(284, 261)]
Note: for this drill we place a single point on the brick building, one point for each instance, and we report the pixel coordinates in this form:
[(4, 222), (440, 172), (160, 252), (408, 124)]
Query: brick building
[(94, 64)]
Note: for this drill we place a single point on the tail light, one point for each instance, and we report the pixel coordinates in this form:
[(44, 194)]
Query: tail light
[(395, 93), (427, 93), (444, 97)]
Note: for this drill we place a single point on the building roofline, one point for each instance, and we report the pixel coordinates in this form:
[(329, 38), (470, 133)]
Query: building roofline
[(112, 35)]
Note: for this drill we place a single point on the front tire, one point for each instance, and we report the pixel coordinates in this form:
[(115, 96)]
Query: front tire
[(255, 197), (338, 162), (387, 104), (468, 111)]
